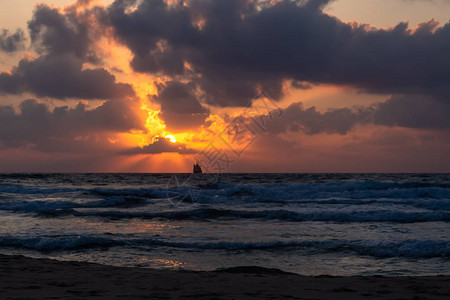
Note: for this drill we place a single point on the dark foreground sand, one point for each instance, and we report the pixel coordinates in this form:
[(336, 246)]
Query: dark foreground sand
[(26, 278)]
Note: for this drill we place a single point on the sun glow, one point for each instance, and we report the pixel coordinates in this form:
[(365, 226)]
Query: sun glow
[(171, 138), (146, 87)]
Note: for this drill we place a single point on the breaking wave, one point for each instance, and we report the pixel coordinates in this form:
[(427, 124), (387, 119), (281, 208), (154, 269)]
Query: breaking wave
[(380, 249), (419, 195), (45, 206), (205, 214), (117, 218)]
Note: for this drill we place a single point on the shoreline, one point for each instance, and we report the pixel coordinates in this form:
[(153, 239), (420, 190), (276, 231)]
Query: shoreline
[(30, 278)]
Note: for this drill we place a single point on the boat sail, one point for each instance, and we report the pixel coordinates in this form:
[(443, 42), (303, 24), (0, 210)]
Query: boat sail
[(197, 168)]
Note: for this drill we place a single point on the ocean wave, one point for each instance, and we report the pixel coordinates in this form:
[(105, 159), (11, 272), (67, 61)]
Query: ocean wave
[(49, 206), (150, 192), (129, 201), (379, 249), (57, 243), (35, 189), (205, 214), (382, 249), (429, 204), (435, 197), (351, 189), (354, 190), (348, 193)]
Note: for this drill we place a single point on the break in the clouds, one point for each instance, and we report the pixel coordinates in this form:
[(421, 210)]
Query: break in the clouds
[(161, 145), (12, 42), (232, 49)]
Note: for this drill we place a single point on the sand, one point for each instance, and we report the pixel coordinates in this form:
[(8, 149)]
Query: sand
[(27, 278)]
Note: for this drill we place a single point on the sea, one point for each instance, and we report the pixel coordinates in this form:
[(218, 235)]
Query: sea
[(309, 224)]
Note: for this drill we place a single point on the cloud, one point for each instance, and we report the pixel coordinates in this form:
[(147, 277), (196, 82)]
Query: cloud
[(64, 41), (66, 129), (413, 111), (408, 111), (180, 108), (161, 145), (220, 53), (62, 77), (60, 33), (12, 42), (310, 121), (236, 48)]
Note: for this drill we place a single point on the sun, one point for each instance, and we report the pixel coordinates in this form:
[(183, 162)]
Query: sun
[(171, 138)]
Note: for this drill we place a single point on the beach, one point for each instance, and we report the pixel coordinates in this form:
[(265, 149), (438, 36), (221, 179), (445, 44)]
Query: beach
[(27, 278)]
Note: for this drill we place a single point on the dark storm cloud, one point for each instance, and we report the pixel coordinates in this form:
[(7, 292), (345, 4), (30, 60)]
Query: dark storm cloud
[(62, 77), (63, 128), (180, 108), (161, 145), (413, 111), (58, 33), (64, 43), (237, 47), (310, 121), (409, 111), (12, 42)]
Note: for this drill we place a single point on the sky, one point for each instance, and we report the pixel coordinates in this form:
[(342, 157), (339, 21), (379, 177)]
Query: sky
[(238, 85)]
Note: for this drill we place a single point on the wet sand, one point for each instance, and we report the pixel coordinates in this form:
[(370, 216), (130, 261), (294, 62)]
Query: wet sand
[(27, 278)]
